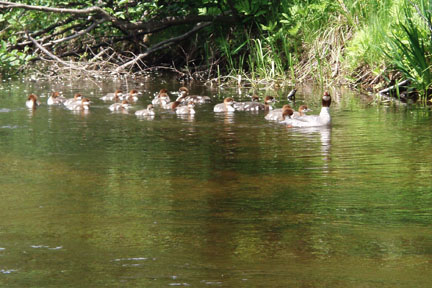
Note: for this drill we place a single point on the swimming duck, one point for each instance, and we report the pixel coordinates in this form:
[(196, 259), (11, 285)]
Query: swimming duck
[(124, 105), (146, 112), (132, 96), (255, 105), (301, 111), (112, 96), (276, 114), (56, 99), (226, 106), (322, 119), (76, 99), (161, 98), (184, 94), (84, 104), (32, 101), (186, 109)]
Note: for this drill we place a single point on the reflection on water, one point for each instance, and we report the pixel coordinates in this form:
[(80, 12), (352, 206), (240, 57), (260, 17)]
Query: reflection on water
[(213, 199)]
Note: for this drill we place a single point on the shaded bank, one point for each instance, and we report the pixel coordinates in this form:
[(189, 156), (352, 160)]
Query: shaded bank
[(366, 44)]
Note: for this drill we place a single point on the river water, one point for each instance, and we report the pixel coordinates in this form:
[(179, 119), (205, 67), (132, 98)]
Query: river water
[(106, 199)]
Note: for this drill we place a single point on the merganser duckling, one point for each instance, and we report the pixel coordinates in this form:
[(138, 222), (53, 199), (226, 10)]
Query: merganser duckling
[(32, 101), (84, 104), (301, 111), (146, 112), (254, 105), (112, 96), (76, 99), (186, 109), (56, 99), (124, 105), (322, 119), (161, 98), (184, 94), (276, 114), (132, 96), (287, 115), (226, 106)]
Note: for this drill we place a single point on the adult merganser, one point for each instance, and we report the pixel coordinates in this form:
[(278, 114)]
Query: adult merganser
[(276, 114), (124, 105), (226, 106), (254, 105), (84, 104), (186, 109), (146, 112), (32, 101), (161, 98), (184, 94), (322, 119), (112, 96), (56, 99), (76, 99)]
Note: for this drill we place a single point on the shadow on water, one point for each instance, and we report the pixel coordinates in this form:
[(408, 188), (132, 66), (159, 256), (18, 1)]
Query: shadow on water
[(214, 199)]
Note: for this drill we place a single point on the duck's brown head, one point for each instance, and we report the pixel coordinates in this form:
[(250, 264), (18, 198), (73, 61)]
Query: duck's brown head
[(326, 99)]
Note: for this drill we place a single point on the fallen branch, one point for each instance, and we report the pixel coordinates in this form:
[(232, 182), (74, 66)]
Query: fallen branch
[(162, 45)]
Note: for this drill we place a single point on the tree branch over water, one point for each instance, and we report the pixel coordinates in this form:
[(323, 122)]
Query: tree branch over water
[(102, 26)]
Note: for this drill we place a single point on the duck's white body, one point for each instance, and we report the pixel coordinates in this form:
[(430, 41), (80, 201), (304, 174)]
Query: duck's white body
[(75, 100), (56, 99), (32, 102), (226, 106), (119, 106), (274, 115), (322, 119), (255, 105), (112, 96), (146, 112), (185, 110), (84, 104), (196, 99)]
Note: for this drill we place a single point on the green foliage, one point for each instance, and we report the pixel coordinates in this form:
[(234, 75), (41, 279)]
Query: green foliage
[(270, 39), (410, 48)]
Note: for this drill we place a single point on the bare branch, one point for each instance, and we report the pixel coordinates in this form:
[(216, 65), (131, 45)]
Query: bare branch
[(162, 45)]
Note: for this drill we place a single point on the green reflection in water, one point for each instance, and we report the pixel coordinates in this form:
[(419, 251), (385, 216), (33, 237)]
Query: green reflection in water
[(104, 199)]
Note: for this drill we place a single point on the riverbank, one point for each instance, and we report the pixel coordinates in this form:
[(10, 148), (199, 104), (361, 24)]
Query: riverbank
[(366, 45)]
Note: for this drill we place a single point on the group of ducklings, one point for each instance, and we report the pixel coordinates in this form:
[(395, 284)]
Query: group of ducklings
[(183, 105)]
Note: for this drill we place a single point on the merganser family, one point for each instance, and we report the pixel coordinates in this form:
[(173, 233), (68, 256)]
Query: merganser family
[(322, 119), (146, 112), (32, 101), (56, 99), (226, 106), (184, 95), (254, 105), (124, 105), (112, 96), (285, 115)]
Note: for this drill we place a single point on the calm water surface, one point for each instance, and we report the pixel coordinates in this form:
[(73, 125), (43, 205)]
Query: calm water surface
[(109, 200)]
